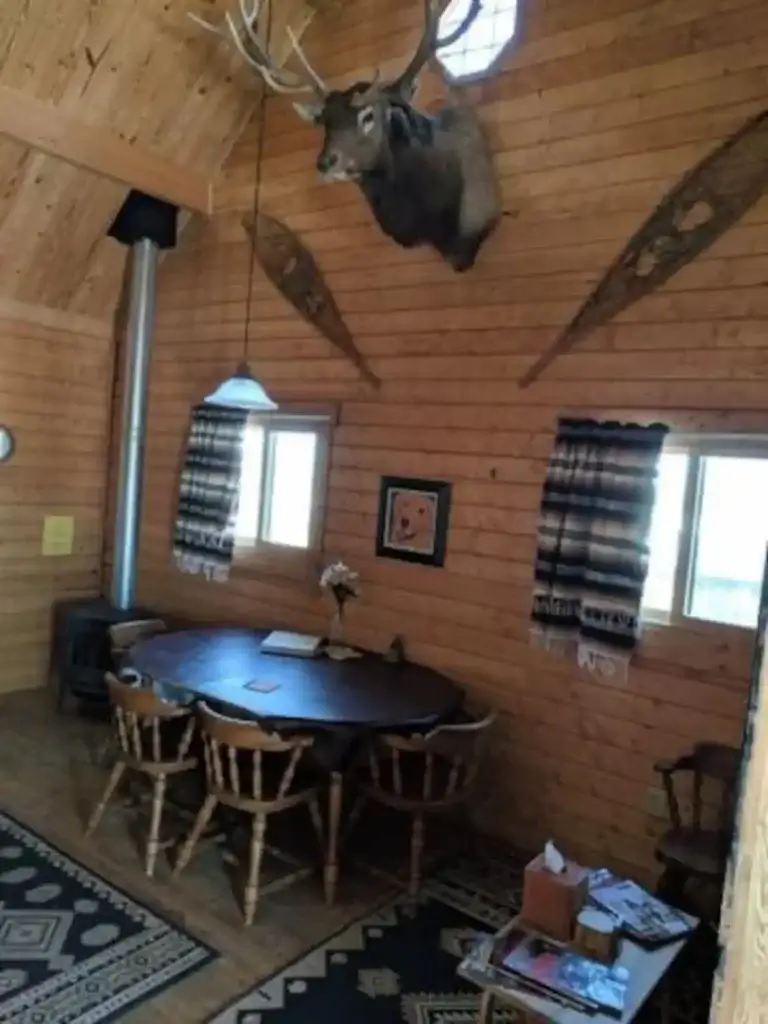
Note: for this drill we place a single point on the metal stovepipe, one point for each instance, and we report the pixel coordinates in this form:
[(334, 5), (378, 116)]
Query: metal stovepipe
[(138, 345)]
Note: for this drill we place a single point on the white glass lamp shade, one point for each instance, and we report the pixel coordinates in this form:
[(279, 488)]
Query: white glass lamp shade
[(242, 392)]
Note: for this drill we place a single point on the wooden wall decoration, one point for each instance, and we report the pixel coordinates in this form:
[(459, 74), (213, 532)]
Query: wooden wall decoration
[(709, 199), (292, 269)]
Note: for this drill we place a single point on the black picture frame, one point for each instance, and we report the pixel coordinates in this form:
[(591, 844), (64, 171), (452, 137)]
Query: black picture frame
[(422, 501)]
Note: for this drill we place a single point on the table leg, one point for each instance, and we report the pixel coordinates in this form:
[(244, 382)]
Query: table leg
[(334, 821), (485, 1016)]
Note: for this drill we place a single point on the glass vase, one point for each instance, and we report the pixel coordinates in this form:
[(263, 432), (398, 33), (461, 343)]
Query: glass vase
[(336, 632), (338, 649)]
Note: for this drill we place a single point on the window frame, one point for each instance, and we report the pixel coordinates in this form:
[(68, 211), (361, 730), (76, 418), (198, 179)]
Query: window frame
[(697, 447), (493, 68), (253, 554)]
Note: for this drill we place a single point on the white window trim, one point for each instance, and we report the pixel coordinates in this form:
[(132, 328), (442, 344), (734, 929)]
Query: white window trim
[(250, 548), (696, 447)]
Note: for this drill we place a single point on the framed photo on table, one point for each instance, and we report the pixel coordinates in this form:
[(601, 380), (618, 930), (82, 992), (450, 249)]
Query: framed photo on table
[(413, 519)]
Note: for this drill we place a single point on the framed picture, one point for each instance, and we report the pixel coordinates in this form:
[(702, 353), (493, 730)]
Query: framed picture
[(413, 519)]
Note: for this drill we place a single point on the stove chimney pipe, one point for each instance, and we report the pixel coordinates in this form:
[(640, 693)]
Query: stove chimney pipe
[(147, 225)]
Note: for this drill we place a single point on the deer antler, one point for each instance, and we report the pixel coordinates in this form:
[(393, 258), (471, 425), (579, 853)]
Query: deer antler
[(251, 50), (429, 43)]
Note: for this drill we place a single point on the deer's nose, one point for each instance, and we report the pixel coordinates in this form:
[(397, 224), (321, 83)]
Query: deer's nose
[(327, 161)]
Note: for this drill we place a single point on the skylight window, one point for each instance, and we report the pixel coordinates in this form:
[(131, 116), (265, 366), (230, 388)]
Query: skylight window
[(476, 50)]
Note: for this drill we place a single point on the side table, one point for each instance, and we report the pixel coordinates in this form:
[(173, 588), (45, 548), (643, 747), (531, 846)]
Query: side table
[(647, 969)]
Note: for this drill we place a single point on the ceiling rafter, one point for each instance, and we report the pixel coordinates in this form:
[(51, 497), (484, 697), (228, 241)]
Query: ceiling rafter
[(44, 127)]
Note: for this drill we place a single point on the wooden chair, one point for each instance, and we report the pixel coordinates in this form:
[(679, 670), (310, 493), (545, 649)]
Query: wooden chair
[(153, 738), (423, 774), (123, 635), (691, 850), (256, 772)]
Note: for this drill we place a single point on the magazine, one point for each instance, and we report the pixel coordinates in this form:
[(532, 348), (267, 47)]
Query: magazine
[(551, 967), (643, 917)]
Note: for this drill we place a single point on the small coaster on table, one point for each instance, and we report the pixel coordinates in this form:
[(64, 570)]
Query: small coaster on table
[(262, 686)]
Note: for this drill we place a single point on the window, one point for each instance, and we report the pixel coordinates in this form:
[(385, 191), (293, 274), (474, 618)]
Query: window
[(477, 49), (282, 483), (709, 531)]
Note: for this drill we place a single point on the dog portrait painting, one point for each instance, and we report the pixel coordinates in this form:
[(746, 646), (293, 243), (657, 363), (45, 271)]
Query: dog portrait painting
[(413, 520)]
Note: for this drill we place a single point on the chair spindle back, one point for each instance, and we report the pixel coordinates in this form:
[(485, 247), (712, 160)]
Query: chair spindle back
[(139, 715), (447, 759), (236, 756)]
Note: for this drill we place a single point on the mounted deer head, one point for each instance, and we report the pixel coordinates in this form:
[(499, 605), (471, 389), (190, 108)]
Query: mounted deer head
[(429, 179)]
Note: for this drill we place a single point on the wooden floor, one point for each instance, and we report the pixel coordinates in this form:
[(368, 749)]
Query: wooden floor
[(49, 779)]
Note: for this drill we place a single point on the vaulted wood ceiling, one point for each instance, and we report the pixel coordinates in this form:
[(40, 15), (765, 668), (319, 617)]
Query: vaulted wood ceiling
[(128, 72)]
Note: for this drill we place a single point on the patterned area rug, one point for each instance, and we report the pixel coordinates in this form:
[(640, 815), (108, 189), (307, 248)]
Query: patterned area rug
[(398, 966), (73, 949)]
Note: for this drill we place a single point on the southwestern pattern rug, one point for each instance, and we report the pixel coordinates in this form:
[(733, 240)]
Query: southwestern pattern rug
[(398, 965), (73, 948)]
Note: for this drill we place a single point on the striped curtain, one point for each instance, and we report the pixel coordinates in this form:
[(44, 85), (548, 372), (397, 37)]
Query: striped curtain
[(209, 492), (592, 549)]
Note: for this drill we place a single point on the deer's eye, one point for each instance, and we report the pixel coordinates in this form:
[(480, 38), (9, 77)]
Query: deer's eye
[(366, 119)]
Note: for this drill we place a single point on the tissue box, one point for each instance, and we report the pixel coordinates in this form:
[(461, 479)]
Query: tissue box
[(551, 903)]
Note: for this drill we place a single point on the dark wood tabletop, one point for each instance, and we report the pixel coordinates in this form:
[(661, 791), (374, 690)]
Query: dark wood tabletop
[(227, 665)]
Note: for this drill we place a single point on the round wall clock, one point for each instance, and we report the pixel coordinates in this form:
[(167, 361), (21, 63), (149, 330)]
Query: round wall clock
[(7, 443)]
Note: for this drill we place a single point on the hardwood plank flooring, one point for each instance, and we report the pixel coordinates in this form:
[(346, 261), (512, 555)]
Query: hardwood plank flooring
[(49, 779)]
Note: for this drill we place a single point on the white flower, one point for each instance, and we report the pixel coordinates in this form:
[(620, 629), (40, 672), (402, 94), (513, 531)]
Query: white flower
[(340, 579)]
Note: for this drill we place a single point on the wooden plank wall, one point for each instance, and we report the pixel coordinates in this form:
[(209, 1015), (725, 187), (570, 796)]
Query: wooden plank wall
[(55, 370), (599, 107)]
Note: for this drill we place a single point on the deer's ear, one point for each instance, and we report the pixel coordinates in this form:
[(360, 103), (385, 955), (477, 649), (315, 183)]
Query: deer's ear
[(309, 111), (408, 91)]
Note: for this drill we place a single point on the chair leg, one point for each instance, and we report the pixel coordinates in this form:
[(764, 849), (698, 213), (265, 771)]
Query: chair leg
[(153, 841), (671, 885), (104, 752), (317, 820), (354, 814), (112, 783), (201, 821), (485, 1015), (258, 829), (417, 849), (331, 874)]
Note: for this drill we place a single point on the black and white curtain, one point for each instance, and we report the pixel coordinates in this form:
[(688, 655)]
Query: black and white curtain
[(209, 492), (592, 549)]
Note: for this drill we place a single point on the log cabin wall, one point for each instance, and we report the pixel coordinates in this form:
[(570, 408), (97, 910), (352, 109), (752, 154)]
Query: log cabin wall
[(56, 369), (598, 108)]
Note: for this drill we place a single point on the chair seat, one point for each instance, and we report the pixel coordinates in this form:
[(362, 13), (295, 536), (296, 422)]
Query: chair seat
[(698, 850)]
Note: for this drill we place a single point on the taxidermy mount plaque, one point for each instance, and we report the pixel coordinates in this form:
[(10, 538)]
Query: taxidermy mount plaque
[(291, 268), (709, 199), (428, 179)]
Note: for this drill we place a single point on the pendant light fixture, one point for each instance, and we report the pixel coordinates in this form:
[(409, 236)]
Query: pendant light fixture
[(243, 391)]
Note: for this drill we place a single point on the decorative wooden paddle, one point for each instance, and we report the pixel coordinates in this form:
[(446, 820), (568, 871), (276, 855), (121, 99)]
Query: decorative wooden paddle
[(291, 267), (705, 203)]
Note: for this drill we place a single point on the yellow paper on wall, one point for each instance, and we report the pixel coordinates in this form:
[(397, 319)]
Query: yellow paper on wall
[(58, 535)]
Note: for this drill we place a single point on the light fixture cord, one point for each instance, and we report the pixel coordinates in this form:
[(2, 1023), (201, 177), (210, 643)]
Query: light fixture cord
[(257, 191)]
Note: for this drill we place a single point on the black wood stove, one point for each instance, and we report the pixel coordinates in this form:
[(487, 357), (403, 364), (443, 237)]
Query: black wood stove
[(81, 651)]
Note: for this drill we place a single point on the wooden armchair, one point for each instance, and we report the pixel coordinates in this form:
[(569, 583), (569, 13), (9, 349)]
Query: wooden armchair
[(693, 850), (153, 738), (423, 774), (258, 773)]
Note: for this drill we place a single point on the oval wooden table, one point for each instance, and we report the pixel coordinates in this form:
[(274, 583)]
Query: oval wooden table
[(228, 667)]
